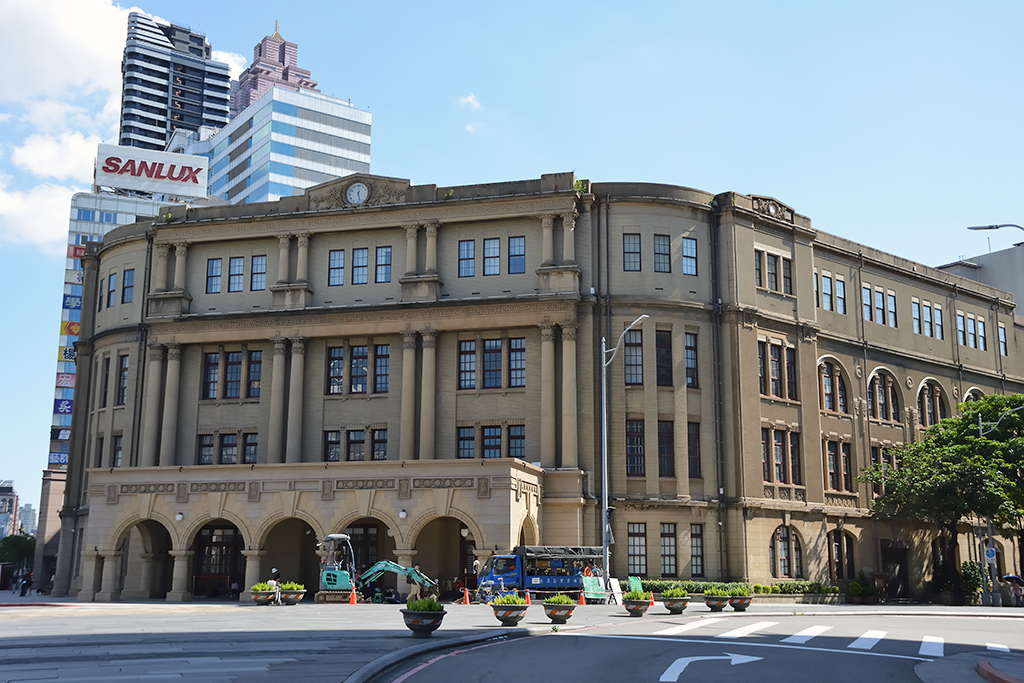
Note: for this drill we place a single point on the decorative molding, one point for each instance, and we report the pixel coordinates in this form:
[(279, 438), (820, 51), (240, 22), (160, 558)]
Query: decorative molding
[(841, 501), (216, 486), (111, 494), (357, 484), (483, 487), (772, 208), (444, 483), (404, 489), (181, 493), (146, 488), (326, 490), (254, 492)]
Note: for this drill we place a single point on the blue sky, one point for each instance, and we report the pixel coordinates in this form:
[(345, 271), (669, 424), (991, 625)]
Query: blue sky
[(894, 124)]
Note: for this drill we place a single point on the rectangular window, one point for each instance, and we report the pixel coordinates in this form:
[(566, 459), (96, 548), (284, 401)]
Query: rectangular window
[(832, 450), (122, 381), (99, 452), (517, 441), (213, 267), (787, 276), (938, 322), (691, 360), (117, 451), (634, 357), (775, 367), (335, 370), (255, 374), (111, 289), (467, 258), (817, 297), (491, 442), (233, 375), (791, 373), (258, 274), (516, 255), (693, 449), (915, 316), (961, 329), (636, 548), (381, 368), (250, 448), (467, 364), (890, 303), (840, 296), (517, 362), (689, 256), (204, 453), (236, 274), (336, 267), (662, 254), (492, 256), (1002, 340), (772, 262), (666, 449), (356, 451), (926, 319), (663, 357), (359, 359), (668, 550), (826, 292), (972, 333), (865, 298), (492, 364), (128, 286), (879, 307), (982, 343), (766, 472), (758, 268), (383, 264), (467, 442), (332, 446), (795, 471), (211, 374), (780, 456), (379, 447), (631, 252), (360, 266), (696, 550), (635, 448), (106, 382), (847, 468), (762, 368), (228, 449)]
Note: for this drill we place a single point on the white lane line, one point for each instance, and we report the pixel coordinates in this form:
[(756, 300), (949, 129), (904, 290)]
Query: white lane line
[(682, 628), (744, 631), (806, 634), (932, 646), (997, 647), (868, 640)]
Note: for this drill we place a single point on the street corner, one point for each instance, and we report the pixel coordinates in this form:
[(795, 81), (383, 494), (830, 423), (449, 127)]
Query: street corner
[(981, 665)]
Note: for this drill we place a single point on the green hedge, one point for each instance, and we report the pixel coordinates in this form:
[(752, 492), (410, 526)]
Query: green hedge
[(784, 587)]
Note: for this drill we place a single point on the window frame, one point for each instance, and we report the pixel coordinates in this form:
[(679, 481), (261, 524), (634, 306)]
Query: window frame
[(632, 261)]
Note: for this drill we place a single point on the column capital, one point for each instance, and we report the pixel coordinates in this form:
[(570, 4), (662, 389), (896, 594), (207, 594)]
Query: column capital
[(280, 345), (181, 248), (181, 554), (569, 217), (569, 331), (156, 352), (410, 230), (429, 338), (163, 250), (174, 352), (547, 333), (303, 239), (547, 220), (409, 339), (284, 241), (432, 229), (249, 554), (298, 345)]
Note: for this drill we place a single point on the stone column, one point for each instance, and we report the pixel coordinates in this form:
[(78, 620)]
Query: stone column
[(302, 263), (428, 394), (275, 431), (283, 249), (547, 396), (407, 442), (169, 430), (411, 232), (142, 582), (181, 576), (569, 238), (90, 566), (151, 407), (180, 257), (109, 591), (547, 251), (432, 229), (293, 453), (570, 457), (163, 252), (253, 569)]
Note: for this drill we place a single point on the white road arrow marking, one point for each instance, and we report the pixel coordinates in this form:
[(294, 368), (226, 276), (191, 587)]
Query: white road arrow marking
[(677, 667)]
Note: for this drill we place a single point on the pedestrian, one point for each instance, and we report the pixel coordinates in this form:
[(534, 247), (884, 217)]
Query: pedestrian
[(26, 585), (416, 588), (1018, 592)]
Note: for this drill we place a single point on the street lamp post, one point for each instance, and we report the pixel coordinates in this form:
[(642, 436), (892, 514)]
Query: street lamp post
[(995, 227), (605, 525)]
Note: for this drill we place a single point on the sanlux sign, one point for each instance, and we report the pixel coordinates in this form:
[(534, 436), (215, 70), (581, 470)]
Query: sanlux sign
[(131, 168)]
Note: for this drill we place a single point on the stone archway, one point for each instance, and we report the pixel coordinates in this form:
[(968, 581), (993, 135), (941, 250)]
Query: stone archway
[(443, 553), (218, 562), (145, 561), (290, 547)]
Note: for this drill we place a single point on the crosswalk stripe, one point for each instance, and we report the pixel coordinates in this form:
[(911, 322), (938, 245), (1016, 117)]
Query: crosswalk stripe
[(997, 647), (682, 628), (806, 634), (868, 640), (744, 631), (931, 646)]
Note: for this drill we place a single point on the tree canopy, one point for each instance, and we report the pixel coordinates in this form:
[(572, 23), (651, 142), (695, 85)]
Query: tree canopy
[(17, 549)]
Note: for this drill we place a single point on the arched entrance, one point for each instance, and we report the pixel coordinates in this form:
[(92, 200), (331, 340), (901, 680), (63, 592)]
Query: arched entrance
[(146, 562), (291, 548), (445, 552), (218, 560)]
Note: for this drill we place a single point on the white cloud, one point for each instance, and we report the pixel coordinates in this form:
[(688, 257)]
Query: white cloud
[(4, 116), (234, 60), (69, 156), (470, 101), (472, 127), (36, 216)]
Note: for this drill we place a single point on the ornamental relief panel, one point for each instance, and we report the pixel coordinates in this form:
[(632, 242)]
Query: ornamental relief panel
[(444, 483), (364, 484), (216, 486), (146, 488)]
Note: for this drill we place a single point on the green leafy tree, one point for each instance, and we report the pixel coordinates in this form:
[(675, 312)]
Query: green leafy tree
[(958, 471), (17, 549)]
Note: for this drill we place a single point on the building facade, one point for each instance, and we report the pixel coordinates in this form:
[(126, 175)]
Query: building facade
[(275, 64), (419, 367), (9, 520), (169, 82)]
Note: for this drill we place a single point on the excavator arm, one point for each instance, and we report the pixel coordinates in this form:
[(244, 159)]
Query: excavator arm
[(388, 566)]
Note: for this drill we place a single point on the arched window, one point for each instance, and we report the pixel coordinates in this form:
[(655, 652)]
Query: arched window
[(931, 405), (840, 555), (974, 395), (883, 398), (833, 388), (785, 555)]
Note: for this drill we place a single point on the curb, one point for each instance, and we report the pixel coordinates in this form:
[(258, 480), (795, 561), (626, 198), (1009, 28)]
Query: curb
[(990, 673), (371, 669)]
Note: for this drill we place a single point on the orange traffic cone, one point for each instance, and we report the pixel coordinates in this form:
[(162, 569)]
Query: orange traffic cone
[(652, 599), (528, 597), (465, 596), (583, 600), (352, 596)]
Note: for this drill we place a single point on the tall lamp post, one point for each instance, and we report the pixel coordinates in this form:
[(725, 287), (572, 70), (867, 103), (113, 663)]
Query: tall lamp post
[(995, 227), (606, 531), (996, 598)]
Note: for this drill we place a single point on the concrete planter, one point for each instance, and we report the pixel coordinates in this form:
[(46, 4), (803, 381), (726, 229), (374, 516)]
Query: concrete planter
[(740, 604), (292, 597), (509, 615), (676, 605), (262, 597), (558, 614), (636, 608), (422, 624), (716, 603)]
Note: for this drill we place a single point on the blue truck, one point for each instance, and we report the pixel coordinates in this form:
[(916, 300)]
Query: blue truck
[(541, 569)]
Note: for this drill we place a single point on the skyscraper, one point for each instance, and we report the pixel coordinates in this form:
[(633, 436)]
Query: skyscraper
[(274, 64), (170, 82)]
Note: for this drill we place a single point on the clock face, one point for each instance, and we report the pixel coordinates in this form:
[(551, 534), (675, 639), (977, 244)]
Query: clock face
[(357, 193)]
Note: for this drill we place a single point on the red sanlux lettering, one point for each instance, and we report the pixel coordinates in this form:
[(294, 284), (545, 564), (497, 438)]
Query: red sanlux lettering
[(160, 173), (146, 169), (129, 168), (192, 175), (111, 164)]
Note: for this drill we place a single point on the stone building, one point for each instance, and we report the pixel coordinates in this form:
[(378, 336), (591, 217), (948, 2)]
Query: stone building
[(419, 367)]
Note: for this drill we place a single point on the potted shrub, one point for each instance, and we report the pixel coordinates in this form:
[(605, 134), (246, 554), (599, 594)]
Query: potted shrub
[(716, 598), (292, 593), (559, 607), (856, 593), (509, 609), (739, 598), (422, 617), (262, 593), (675, 599), (636, 602)]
